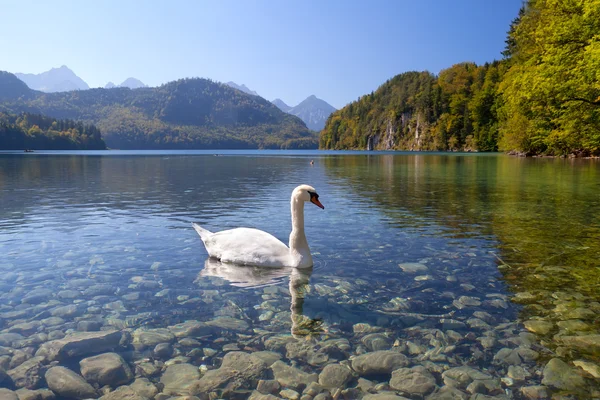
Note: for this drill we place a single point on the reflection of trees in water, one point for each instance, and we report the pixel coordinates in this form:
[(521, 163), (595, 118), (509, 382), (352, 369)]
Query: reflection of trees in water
[(542, 211)]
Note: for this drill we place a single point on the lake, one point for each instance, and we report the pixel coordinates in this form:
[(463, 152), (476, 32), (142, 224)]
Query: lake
[(436, 276)]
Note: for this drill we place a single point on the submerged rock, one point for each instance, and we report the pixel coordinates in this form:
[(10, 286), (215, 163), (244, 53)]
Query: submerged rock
[(379, 362), (335, 376), (179, 378), (67, 383), (238, 370), (560, 375), (292, 377), (80, 344), (6, 394), (106, 369), (27, 375), (415, 381)]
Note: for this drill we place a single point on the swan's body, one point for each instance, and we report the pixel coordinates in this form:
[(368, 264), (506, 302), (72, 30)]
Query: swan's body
[(249, 246)]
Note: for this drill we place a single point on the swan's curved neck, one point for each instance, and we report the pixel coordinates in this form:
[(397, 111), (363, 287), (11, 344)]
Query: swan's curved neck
[(298, 243)]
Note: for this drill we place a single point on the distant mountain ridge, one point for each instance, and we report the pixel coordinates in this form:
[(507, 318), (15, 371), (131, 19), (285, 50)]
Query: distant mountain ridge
[(55, 80), (281, 105), (132, 83), (242, 87), (184, 114), (313, 111)]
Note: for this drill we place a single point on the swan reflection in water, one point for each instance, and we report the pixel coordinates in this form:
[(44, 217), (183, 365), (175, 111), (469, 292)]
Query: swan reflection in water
[(255, 277)]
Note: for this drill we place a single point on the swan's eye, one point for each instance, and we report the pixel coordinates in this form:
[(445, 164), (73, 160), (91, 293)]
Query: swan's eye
[(313, 195)]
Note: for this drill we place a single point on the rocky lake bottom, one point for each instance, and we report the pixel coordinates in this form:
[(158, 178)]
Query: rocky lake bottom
[(106, 292)]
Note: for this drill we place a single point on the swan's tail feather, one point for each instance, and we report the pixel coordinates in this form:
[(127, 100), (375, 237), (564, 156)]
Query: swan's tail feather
[(204, 234)]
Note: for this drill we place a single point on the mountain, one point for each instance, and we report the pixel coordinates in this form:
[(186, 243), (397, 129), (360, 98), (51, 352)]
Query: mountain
[(13, 88), (313, 111), (456, 110), (242, 87), (184, 114), (56, 80), (132, 83), (281, 105), (110, 85), (30, 131)]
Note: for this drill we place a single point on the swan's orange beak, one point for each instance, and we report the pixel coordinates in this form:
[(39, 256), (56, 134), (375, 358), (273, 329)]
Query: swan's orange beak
[(316, 202)]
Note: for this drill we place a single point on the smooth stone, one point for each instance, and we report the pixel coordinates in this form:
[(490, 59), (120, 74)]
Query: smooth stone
[(27, 375), (538, 326), (7, 339), (80, 344), (229, 324), (238, 370), (39, 394), (448, 393), (335, 376), (415, 381), (256, 395), (270, 386), (179, 378), (191, 329), (68, 311), (292, 377), (289, 394), (413, 268), (464, 376), (152, 337), (560, 375), (144, 387), (376, 342), (67, 383), (379, 362), (163, 350), (590, 368), (6, 394), (106, 369), (384, 396), (584, 343), (89, 326), (537, 392), (466, 301), (269, 357), (123, 393)]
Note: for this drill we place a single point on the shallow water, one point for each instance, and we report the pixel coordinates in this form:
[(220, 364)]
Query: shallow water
[(450, 260)]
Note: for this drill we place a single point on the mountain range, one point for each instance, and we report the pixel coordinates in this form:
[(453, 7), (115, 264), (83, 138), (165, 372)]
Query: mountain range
[(64, 79), (313, 111), (56, 80), (184, 114)]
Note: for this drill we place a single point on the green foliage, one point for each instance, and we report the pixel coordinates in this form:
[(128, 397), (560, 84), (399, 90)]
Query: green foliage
[(551, 92), (543, 98), (188, 113), (32, 131), (418, 111)]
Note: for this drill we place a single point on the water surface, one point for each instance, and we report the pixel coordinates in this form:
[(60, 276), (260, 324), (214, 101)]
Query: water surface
[(428, 255)]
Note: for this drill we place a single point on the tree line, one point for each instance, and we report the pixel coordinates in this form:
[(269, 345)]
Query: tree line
[(34, 131), (542, 98)]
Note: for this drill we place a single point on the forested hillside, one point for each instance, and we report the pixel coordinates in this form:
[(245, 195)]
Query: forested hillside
[(31, 131), (419, 111), (188, 113), (543, 98)]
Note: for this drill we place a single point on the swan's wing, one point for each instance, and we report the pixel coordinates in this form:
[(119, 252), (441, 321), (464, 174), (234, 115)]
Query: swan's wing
[(248, 246)]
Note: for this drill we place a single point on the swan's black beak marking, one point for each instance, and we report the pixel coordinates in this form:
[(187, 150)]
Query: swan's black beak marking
[(314, 198)]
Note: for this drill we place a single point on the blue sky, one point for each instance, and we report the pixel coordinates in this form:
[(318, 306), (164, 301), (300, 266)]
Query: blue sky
[(337, 50)]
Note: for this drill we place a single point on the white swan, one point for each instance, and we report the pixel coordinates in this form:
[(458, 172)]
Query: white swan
[(249, 246)]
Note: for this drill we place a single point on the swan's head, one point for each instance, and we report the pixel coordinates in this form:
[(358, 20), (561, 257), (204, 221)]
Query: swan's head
[(307, 193)]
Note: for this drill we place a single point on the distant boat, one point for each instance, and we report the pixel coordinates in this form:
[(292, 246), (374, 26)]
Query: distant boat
[(28, 151)]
